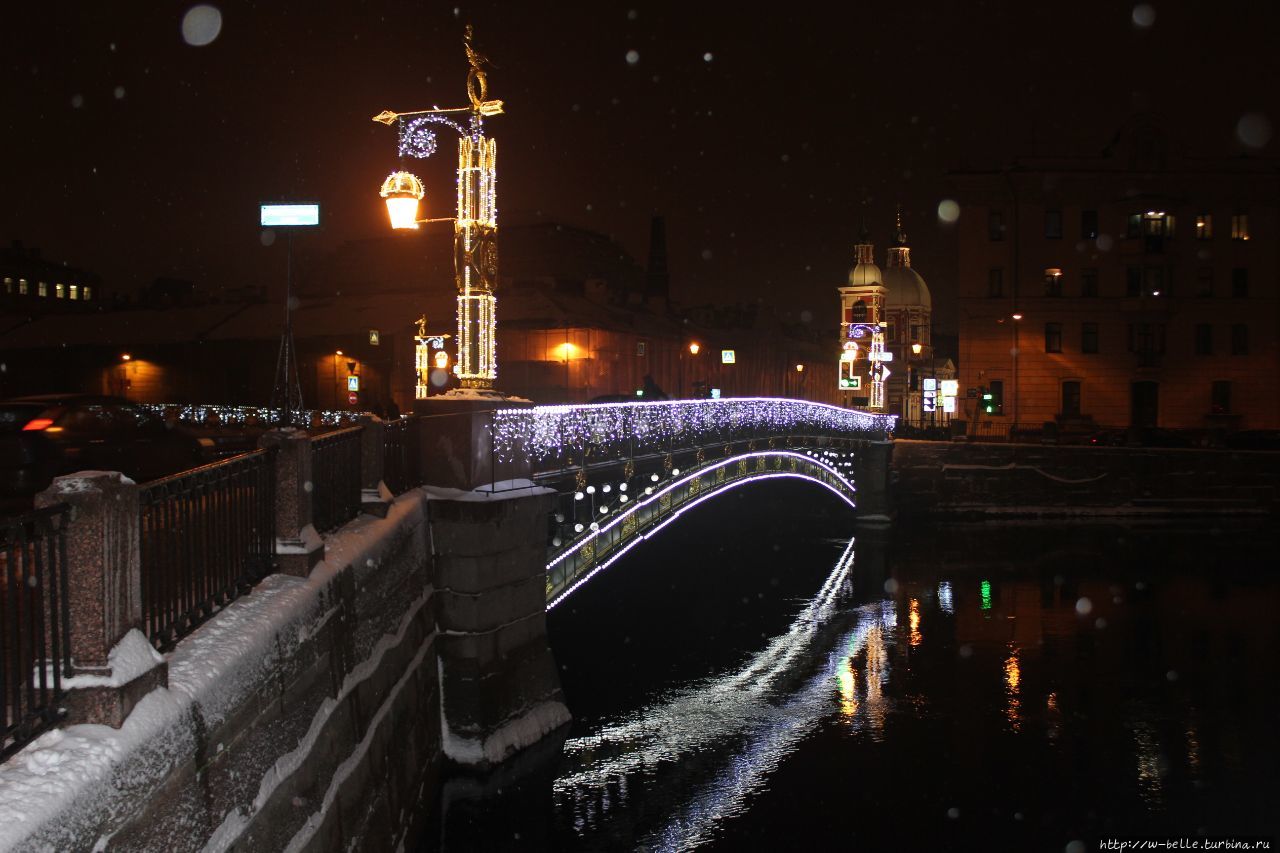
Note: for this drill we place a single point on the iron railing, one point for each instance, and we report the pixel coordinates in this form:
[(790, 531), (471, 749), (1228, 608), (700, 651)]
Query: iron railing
[(207, 536), (35, 642), (401, 455), (335, 478)]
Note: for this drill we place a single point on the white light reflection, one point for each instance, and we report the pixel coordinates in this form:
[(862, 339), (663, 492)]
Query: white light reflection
[(945, 601), (742, 704)]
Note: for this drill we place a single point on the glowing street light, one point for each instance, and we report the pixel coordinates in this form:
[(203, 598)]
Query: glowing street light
[(475, 227), (694, 348)]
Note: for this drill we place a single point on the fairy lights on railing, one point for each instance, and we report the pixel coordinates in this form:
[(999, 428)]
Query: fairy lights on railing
[(547, 432)]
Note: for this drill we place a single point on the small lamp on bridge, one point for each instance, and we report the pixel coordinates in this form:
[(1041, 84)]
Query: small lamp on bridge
[(799, 368), (915, 348), (694, 347)]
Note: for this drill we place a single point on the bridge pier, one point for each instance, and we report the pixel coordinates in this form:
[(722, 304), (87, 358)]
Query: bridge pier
[(871, 476)]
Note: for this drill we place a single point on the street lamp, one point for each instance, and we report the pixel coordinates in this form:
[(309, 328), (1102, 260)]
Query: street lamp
[(475, 227)]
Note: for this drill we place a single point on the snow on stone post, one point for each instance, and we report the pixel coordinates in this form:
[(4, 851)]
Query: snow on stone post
[(374, 494), (104, 596), (298, 545)]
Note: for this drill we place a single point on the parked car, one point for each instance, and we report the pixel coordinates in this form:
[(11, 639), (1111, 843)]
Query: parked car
[(51, 434)]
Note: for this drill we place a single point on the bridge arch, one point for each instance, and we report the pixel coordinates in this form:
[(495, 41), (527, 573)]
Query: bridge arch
[(573, 563)]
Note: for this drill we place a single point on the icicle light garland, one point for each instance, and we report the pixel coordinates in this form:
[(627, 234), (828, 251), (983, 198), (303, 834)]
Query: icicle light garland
[(239, 415), (549, 431)]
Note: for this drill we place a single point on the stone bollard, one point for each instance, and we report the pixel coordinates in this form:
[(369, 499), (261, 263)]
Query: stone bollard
[(113, 664), (375, 497), (298, 545)]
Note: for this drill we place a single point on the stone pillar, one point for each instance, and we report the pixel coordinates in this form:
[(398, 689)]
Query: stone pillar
[(457, 442), (298, 545), (375, 497), (500, 687), (104, 596), (874, 505)]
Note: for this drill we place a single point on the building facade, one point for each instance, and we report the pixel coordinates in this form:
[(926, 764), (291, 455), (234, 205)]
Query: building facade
[(1136, 288)]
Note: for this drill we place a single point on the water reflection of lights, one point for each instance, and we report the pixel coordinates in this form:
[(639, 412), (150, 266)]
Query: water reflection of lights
[(1147, 752), (742, 707), (945, 601), (913, 619), (1012, 679)]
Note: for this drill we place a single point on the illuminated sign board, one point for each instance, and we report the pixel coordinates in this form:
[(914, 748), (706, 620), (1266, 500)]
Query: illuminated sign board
[(289, 215), (715, 393), (353, 383), (374, 337), (880, 356), (950, 387), (929, 384), (728, 356)]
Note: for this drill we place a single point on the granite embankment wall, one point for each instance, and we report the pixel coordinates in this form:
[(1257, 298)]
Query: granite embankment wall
[(308, 714), (963, 479)]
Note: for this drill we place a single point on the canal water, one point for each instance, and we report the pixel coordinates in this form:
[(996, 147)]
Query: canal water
[(758, 677)]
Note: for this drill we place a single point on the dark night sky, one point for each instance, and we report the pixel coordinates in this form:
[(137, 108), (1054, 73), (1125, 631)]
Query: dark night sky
[(761, 136)]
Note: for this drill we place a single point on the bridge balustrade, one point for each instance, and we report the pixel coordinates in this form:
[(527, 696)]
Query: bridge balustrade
[(34, 623)]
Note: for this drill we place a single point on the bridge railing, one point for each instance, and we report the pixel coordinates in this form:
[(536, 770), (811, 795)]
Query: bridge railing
[(206, 537), (34, 623), (556, 438), (335, 477)]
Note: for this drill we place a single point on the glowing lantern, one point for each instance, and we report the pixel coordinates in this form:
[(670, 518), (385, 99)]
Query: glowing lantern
[(403, 190)]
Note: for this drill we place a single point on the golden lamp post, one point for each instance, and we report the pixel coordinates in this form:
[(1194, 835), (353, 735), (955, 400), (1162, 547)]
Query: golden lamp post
[(475, 227)]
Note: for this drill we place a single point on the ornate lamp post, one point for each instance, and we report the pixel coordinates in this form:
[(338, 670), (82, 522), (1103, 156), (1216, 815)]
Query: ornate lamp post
[(475, 227)]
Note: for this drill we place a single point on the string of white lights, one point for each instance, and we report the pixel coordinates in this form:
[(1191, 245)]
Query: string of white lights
[(548, 431)]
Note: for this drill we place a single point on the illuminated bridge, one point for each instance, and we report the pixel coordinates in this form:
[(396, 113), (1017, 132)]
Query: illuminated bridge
[(623, 471)]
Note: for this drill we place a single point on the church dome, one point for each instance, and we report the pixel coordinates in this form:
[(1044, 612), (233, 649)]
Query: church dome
[(906, 289), (865, 273)]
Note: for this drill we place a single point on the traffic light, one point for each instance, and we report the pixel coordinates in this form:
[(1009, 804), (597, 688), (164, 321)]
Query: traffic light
[(993, 398)]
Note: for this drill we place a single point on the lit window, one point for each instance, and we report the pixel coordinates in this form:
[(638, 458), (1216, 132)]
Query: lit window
[(8, 285), (22, 287), (60, 290), (1240, 226), (88, 293), (1053, 281), (75, 291), (42, 289), (1204, 226)]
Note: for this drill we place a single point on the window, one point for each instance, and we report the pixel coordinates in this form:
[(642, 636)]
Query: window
[(857, 312), (1133, 281), (993, 399), (88, 293), (1089, 337), (75, 291), (1220, 398), (1134, 227), (1239, 339), (1153, 281), (1053, 337), (1239, 283), (1204, 339), (995, 282), (22, 287), (1204, 226), (1088, 224), (42, 289), (1089, 282), (8, 285), (642, 347), (1204, 283), (1053, 224), (1146, 337), (1240, 226), (995, 225), (61, 291), (1071, 399), (1053, 282)]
